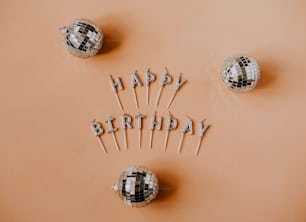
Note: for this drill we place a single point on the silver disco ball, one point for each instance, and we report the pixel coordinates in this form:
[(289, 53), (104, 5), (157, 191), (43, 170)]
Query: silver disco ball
[(82, 38), (137, 186), (240, 73)]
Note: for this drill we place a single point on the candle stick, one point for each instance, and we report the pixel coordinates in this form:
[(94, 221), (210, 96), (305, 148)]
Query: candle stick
[(151, 138), (135, 82), (98, 131), (126, 121), (155, 123), (202, 130), (188, 128), (178, 85), (116, 85), (180, 143), (139, 118), (112, 130), (166, 140), (150, 77), (166, 79), (171, 125)]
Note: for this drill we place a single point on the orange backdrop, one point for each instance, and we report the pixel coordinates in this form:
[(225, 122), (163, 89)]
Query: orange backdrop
[(251, 166)]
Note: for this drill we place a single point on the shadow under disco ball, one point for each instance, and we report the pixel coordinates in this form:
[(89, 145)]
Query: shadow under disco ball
[(82, 38), (240, 73), (137, 186)]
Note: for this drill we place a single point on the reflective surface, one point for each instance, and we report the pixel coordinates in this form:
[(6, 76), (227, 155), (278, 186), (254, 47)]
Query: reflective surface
[(240, 73), (137, 186), (82, 38)]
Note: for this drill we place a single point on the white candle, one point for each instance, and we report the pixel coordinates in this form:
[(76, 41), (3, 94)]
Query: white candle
[(179, 83), (139, 117), (98, 131), (172, 124), (202, 130), (156, 123), (166, 79), (150, 77), (112, 130), (188, 128), (115, 85), (126, 121), (134, 83)]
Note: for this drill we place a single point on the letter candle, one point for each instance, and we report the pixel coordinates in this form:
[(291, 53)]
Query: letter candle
[(135, 82), (112, 130), (172, 124), (115, 86), (98, 131), (155, 123), (126, 121), (139, 117), (188, 128), (166, 79), (150, 77)]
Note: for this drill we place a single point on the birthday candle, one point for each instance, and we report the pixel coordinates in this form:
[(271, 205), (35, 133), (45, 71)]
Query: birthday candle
[(202, 130), (188, 128), (179, 83), (112, 130), (126, 121), (135, 82), (166, 79), (156, 123), (172, 124), (115, 86), (150, 77), (98, 131), (139, 117)]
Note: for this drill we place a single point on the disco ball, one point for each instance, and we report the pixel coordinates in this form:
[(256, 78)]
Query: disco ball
[(82, 38), (137, 186), (240, 73)]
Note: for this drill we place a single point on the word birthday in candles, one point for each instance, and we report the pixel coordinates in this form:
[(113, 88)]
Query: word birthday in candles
[(156, 122)]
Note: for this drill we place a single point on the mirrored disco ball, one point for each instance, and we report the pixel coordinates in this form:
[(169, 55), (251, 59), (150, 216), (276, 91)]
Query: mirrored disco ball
[(240, 73), (82, 38), (137, 186)]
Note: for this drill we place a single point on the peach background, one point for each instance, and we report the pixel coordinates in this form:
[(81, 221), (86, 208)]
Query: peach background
[(252, 163)]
